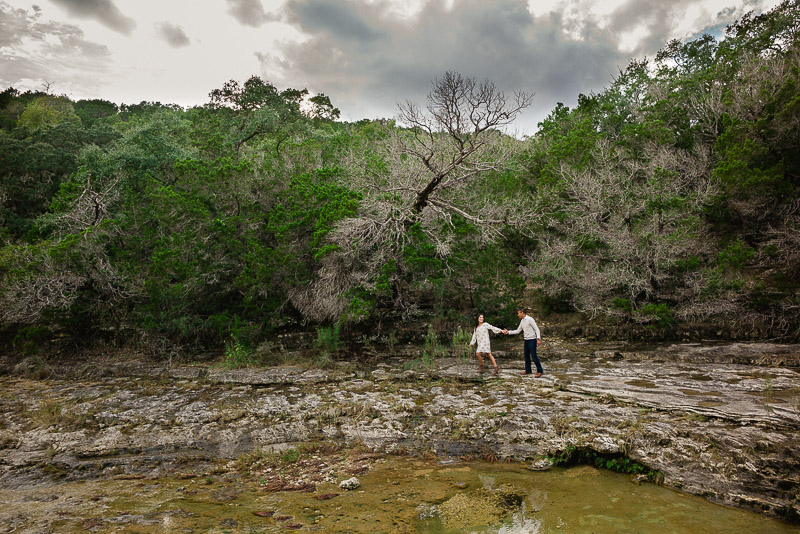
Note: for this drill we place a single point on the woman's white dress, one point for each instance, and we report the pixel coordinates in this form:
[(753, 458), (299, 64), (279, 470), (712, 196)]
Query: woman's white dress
[(481, 335)]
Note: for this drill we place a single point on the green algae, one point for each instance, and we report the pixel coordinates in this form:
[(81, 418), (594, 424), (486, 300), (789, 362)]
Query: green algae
[(483, 506), (578, 499)]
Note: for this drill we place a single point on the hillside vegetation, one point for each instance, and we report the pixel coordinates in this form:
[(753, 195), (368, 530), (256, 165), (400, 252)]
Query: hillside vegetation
[(671, 197)]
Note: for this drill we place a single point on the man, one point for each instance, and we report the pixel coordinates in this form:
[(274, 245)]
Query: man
[(532, 340)]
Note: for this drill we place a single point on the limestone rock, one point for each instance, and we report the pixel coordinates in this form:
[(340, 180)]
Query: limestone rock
[(350, 483), (543, 464)]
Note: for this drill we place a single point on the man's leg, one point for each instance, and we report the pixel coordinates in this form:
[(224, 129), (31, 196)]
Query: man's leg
[(527, 351), (535, 357)]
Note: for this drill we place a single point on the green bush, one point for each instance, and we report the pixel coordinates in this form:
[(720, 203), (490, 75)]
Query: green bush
[(30, 339), (613, 462), (660, 315), (328, 339), (461, 339), (736, 255), (433, 348), (237, 354), (622, 304)]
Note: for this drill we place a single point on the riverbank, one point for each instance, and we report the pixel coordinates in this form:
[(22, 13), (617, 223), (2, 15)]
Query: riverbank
[(720, 421)]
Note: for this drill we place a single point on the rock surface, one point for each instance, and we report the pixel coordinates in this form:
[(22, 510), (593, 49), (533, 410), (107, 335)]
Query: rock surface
[(350, 484), (719, 420)]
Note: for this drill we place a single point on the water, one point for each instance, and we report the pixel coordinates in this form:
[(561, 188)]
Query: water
[(391, 497)]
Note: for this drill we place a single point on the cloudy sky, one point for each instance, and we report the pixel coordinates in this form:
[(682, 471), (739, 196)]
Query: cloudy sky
[(367, 55)]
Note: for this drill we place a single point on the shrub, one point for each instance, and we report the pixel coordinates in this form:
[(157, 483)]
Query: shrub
[(328, 339), (736, 255), (660, 315), (461, 339), (237, 354)]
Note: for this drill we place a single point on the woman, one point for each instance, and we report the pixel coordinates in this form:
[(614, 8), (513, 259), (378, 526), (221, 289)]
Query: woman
[(481, 336)]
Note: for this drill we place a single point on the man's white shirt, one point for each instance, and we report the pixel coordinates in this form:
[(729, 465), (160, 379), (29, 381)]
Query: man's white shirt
[(528, 327)]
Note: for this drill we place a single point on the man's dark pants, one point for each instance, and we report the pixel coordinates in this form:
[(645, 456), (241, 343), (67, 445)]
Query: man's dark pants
[(530, 352)]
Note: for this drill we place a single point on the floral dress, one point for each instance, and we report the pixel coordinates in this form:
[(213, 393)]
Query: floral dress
[(481, 335)]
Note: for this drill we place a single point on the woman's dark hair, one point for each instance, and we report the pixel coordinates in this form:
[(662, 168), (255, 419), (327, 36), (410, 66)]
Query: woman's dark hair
[(477, 323)]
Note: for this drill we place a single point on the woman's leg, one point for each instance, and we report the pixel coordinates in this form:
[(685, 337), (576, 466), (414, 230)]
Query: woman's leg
[(480, 362), (494, 363)]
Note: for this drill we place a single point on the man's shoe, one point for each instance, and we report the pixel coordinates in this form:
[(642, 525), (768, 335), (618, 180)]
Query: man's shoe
[(538, 375), (525, 373)]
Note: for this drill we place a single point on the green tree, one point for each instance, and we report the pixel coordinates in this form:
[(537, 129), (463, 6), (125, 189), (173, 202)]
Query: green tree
[(256, 108), (47, 111), (91, 111)]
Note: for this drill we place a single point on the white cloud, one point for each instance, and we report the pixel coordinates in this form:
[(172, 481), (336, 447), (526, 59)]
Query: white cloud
[(365, 54), (32, 47)]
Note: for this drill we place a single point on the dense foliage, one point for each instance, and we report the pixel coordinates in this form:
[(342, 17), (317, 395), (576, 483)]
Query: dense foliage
[(672, 196)]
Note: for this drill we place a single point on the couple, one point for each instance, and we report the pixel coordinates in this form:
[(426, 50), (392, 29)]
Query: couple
[(532, 339)]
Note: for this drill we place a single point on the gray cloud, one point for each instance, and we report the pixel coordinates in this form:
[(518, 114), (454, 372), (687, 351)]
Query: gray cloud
[(366, 59), (657, 16), (367, 62), (172, 34), (249, 12), (343, 20), (34, 50), (105, 11)]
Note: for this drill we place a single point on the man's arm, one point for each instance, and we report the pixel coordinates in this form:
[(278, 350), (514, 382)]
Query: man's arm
[(535, 328), (517, 331)]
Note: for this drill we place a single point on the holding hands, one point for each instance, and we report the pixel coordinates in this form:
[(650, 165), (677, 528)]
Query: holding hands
[(505, 331)]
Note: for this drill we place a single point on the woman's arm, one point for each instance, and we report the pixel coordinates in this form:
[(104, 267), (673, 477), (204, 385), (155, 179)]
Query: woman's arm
[(494, 329)]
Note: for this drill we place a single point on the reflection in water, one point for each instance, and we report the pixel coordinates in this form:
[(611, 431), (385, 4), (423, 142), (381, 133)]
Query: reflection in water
[(520, 522)]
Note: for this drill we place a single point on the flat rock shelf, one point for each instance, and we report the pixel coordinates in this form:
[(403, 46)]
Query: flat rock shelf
[(716, 420)]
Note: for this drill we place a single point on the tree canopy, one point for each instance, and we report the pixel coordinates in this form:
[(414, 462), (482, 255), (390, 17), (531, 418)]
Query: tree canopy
[(672, 196)]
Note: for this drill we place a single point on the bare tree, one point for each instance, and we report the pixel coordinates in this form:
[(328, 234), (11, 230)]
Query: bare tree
[(90, 208), (426, 174), (48, 279), (624, 224), (465, 111)]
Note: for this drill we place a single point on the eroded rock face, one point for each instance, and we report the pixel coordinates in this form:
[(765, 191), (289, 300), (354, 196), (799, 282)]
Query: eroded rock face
[(725, 430)]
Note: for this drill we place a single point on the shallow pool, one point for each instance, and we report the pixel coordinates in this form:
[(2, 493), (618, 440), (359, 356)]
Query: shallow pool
[(397, 495)]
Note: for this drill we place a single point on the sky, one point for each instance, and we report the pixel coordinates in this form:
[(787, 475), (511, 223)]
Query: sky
[(367, 55)]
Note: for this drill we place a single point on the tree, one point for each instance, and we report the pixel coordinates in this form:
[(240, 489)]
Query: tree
[(321, 108), (421, 185), (616, 228), (7, 96), (257, 108), (669, 190), (47, 111), (90, 111), (465, 111)]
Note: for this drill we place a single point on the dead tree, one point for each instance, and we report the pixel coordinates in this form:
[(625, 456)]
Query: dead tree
[(426, 174), (455, 129)]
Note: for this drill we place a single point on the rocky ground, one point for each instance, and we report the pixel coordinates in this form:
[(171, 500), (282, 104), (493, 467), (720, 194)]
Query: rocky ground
[(714, 420)]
